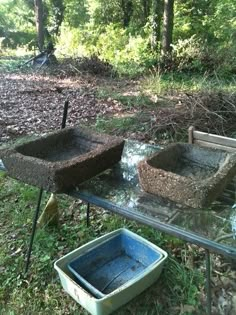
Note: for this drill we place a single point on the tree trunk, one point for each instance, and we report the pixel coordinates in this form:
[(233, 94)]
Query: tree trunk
[(59, 9), (157, 9), (168, 23), (146, 10), (127, 8), (38, 6)]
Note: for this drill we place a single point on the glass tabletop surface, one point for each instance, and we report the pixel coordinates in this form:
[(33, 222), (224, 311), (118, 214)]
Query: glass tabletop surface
[(120, 186)]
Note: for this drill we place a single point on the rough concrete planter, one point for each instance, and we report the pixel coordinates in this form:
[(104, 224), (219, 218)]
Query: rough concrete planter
[(63, 159), (187, 174)]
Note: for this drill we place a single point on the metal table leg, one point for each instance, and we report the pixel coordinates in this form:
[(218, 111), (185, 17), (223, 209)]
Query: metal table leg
[(208, 281), (88, 213), (35, 219)]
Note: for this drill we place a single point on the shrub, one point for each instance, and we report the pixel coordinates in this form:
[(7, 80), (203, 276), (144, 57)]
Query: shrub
[(111, 43)]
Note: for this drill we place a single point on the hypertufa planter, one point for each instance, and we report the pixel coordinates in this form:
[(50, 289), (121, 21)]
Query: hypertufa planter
[(187, 174), (61, 160)]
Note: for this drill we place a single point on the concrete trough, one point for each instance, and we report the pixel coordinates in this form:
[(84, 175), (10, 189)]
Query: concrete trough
[(187, 173), (61, 160)]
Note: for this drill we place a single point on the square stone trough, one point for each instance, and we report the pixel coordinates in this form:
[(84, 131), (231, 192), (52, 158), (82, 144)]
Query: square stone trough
[(187, 173), (61, 160)]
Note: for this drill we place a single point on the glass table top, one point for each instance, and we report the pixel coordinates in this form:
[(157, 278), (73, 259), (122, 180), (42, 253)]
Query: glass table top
[(117, 189), (120, 187)]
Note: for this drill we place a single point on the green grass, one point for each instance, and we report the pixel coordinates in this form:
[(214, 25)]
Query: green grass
[(129, 69), (40, 292), (118, 125), (11, 64), (128, 101), (172, 83)]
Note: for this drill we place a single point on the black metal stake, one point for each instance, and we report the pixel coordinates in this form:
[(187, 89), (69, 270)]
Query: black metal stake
[(208, 280), (36, 214), (88, 213), (65, 111)]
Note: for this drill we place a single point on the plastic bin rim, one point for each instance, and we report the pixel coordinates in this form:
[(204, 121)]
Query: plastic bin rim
[(106, 237), (96, 242)]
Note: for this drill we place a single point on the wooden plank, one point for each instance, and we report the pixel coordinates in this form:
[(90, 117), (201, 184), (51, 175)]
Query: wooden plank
[(190, 134), (214, 145), (224, 141)]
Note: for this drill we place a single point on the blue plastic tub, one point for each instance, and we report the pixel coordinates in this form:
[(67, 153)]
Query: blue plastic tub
[(113, 263), (109, 271)]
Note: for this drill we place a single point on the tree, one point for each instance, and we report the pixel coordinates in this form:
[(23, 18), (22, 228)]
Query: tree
[(168, 23), (156, 23), (127, 8), (17, 24), (38, 6), (146, 9), (56, 15)]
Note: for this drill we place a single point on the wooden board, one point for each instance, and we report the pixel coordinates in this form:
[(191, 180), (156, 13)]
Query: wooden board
[(214, 145), (211, 140), (207, 137)]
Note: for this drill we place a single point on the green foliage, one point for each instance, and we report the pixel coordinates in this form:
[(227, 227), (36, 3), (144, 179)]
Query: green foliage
[(190, 18), (188, 293), (222, 23), (76, 13), (69, 42), (111, 43), (17, 39), (16, 24), (187, 53), (121, 32), (105, 12), (55, 15), (11, 64), (207, 31)]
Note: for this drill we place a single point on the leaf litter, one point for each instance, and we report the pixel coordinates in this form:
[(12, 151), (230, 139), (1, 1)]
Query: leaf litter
[(33, 104)]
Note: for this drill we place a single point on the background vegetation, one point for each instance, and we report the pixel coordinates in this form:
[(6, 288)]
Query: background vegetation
[(133, 35)]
